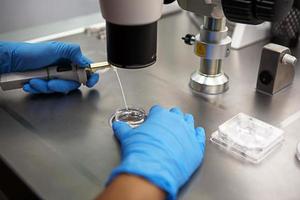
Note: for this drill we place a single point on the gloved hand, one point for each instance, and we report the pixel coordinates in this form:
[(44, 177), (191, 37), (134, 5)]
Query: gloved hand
[(19, 57), (166, 149)]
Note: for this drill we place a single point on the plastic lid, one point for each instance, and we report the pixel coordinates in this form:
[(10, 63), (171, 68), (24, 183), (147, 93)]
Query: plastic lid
[(248, 137)]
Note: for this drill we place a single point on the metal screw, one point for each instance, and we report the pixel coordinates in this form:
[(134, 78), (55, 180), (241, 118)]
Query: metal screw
[(189, 39), (289, 59)]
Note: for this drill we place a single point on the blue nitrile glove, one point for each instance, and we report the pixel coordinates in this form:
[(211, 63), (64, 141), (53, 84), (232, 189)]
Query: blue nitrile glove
[(165, 150), (19, 57)]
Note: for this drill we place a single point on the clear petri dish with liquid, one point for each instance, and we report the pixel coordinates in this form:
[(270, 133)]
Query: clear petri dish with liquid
[(134, 116)]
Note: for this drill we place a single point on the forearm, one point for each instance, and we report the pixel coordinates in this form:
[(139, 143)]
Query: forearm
[(130, 187)]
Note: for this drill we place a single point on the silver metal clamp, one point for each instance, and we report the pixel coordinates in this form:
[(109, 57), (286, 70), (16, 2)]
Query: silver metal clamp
[(277, 69), (212, 45)]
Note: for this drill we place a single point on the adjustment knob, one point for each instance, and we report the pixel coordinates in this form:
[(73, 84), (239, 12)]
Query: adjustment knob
[(189, 39), (256, 11)]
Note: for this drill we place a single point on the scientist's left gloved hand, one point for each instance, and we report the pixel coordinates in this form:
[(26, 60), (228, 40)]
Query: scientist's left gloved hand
[(165, 150), (19, 57)]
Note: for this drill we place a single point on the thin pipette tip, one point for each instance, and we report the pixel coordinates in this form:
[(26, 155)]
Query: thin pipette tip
[(121, 87)]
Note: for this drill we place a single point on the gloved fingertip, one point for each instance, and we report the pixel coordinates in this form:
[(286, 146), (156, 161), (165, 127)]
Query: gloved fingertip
[(27, 88), (116, 125), (200, 134), (93, 80), (155, 109), (72, 52), (177, 111), (120, 129), (81, 60), (40, 85), (189, 119), (63, 86), (121, 126), (85, 60)]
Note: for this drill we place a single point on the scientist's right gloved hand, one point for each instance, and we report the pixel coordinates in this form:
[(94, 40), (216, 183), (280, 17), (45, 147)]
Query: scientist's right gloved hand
[(21, 56), (165, 150)]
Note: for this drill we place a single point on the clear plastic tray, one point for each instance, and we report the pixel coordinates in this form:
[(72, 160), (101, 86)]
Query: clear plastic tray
[(248, 138)]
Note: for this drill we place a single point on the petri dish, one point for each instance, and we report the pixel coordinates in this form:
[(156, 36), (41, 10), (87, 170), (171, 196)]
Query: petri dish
[(133, 116), (248, 137)]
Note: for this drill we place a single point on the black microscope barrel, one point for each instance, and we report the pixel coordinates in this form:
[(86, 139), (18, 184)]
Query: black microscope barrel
[(131, 47)]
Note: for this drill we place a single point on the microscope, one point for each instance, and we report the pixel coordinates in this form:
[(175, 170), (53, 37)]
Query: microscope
[(131, 27)]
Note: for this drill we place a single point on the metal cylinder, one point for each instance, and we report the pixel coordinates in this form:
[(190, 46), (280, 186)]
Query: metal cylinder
[(289, 59), (210, 67), (212, 46), (214, 24)]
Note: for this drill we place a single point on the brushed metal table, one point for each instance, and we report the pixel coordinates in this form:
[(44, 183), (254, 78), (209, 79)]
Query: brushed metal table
[(63, 148)]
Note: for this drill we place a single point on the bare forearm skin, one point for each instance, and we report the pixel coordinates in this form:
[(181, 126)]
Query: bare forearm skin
[(131, 187)]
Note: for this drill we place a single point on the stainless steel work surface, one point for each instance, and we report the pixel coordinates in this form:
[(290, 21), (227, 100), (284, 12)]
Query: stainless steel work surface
[(63, 147)]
